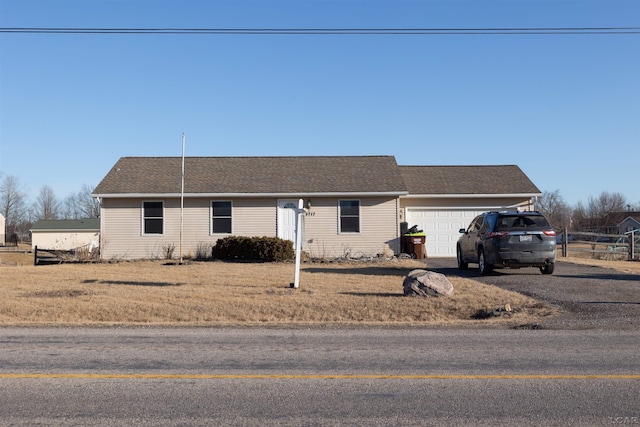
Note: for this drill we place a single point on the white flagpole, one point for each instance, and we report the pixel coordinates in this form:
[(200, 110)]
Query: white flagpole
[(182, 200)]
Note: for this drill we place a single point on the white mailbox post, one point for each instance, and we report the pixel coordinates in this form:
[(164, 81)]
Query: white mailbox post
[(300, 211)]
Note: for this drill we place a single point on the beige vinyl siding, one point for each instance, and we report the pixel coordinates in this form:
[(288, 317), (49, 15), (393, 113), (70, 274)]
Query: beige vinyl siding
[(254, 217), (378, 229), (463, 202), (123, 236), (121, 231), (249, 217)]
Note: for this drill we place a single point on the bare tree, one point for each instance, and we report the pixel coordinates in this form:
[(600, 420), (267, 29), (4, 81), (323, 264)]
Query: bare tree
[(557, 211), (89, 206), (46, 205), (13, 206), (70, 207), (593, 215), (606, 203), (81, 205)]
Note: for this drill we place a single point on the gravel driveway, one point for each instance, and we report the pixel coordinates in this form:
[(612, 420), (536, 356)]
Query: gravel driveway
[(590, 297)]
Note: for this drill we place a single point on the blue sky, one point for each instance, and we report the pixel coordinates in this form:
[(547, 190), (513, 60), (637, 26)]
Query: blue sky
[(565, 108)]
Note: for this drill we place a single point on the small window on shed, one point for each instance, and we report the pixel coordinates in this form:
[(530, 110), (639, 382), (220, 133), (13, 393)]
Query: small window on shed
[(153, 217)]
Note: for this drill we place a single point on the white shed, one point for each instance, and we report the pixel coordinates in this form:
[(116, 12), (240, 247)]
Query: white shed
[(66, 234), (3, 230)]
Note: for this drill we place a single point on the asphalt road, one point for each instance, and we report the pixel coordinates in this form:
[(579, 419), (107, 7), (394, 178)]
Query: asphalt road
[(335, 376), (582, 368)]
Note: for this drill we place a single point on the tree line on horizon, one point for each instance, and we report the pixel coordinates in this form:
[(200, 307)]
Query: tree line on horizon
[(594, 215), (20, 215)]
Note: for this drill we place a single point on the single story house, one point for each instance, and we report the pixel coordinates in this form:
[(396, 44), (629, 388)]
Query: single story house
[(356, 205), (618, 222), (630, 223), (62, 234)]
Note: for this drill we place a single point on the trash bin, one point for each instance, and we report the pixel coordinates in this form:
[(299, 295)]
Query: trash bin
[(413, 244)]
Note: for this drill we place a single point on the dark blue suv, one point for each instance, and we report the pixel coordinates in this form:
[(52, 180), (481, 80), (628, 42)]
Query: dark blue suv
[(508, 239)]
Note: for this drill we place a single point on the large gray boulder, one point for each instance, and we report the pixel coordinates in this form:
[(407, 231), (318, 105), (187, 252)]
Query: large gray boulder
[(427, 283)]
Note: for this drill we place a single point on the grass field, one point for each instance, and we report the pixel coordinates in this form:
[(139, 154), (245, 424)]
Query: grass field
[(222, 293)]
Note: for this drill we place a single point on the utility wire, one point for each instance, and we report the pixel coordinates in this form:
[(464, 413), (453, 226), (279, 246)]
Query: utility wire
[(325, 31)]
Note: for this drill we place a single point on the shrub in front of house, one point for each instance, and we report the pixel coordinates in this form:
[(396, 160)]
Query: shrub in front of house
[(253, 249)]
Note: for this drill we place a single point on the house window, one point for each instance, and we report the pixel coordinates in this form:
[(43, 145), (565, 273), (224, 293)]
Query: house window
[(221, 217), (349, 216), (153, 217)]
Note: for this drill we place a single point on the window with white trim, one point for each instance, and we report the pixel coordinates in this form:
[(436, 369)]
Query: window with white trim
[(221, 217), (349, 216), (152, 217)]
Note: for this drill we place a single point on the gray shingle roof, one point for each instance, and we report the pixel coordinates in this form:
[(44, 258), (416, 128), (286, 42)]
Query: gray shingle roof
[(307, 175), (253, 175), (504, 179)]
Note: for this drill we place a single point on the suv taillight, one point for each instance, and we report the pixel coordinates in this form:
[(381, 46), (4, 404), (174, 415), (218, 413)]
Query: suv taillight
[(550, 232), (498, 233)]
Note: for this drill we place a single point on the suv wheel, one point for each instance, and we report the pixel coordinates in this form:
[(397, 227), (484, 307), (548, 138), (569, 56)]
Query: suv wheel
[(462, 265), (484, 268), (547, 269)]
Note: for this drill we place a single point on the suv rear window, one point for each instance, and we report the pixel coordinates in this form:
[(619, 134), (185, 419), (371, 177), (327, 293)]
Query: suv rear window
[(507, 222)]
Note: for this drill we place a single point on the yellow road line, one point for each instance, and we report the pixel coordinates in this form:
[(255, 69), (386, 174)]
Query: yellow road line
[(320, 376)]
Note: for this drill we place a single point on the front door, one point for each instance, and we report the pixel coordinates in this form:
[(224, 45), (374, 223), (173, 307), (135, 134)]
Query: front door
[(287, 219)]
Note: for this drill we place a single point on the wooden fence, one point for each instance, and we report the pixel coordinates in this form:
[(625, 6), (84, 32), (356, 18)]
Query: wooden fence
[(601, 246), (47, 256), (57, 256)]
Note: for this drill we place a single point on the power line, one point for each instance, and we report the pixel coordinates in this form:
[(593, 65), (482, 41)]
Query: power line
[(325, 31)]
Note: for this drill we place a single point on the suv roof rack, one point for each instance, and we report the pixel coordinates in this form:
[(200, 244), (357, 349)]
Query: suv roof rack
[(514, 211)]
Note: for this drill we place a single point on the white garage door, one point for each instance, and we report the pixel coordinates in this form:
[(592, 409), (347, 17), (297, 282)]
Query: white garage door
[(442, 227)]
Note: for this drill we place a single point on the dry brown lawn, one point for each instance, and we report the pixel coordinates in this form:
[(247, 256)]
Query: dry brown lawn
[(624, 266), (221, 293)]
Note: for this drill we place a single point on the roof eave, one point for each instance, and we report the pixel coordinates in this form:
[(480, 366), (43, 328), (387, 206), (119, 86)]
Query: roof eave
[(250, 195), (469, 196), (628, 218)]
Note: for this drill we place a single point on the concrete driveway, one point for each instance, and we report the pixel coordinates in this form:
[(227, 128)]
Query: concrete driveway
[(590, 297)]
